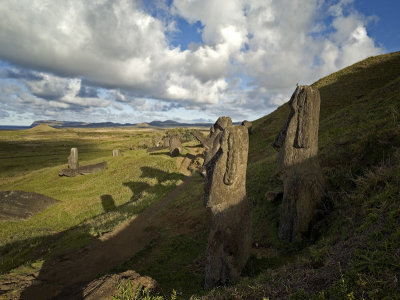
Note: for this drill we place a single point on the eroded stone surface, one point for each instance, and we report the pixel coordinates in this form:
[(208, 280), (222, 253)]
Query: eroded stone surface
[(73, 162), (107, 286), (224, 168), (17, 205), (298, 164), (175, 146)]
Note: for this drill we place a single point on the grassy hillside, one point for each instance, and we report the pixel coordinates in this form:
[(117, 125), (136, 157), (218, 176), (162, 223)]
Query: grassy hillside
[(356, 253)]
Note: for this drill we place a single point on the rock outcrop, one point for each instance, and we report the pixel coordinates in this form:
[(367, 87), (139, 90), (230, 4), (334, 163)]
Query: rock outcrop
[(224, 168), (175, 146), (108, 286), (298, 166)]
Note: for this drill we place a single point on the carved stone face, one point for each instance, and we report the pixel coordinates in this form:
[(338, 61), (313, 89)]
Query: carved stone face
[(298, 139)]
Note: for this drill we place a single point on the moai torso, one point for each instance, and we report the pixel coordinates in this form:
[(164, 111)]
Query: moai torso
[(298, 165)]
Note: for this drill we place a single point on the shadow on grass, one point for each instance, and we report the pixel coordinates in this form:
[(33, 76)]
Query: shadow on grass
[(74, 257)]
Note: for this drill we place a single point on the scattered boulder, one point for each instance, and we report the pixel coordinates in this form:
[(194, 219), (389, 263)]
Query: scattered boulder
[(175, 146), (108, 286), (73, 162), (19, 205), (224, 168), (298, 166), (115, 152), (83, 170), (248, 125)]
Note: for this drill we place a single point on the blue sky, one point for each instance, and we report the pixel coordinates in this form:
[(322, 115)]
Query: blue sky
[(186, 60)]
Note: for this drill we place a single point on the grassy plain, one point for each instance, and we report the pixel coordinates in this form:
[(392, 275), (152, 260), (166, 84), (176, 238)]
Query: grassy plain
[(90, 206)]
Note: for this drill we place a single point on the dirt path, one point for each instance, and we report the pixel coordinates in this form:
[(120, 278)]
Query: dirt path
[(66, 275)]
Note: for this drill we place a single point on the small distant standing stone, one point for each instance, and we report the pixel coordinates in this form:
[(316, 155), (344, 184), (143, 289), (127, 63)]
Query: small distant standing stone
[(73, 159), (115, 152)]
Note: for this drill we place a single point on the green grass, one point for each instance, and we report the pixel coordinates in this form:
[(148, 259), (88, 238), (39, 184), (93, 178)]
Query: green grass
[(90, 205)]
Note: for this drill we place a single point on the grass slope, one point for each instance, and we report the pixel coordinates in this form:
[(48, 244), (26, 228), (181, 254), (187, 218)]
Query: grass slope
[(357, 252)]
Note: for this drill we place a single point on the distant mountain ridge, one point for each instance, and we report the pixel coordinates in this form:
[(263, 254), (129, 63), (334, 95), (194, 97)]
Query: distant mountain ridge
[(160, 124)]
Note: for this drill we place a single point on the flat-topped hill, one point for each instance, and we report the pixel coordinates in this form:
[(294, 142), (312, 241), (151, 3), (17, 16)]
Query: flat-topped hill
[(43, 127)]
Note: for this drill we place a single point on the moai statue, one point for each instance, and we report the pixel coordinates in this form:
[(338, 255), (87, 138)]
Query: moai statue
[(248, 125), (73, 159), (225, 167), (166, 142), (298, 166), (115, 152), (175, 146)]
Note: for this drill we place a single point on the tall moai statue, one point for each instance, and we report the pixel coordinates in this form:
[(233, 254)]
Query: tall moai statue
[(73, 162), (224, 168), (298, 166)]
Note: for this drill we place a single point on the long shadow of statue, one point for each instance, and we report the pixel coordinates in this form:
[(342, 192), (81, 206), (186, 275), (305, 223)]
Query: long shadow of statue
[(66, 276)]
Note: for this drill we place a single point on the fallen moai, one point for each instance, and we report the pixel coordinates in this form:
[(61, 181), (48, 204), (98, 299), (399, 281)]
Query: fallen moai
[(84, 170), (298, 166), (74, 169), (175, 146), (225, 167)]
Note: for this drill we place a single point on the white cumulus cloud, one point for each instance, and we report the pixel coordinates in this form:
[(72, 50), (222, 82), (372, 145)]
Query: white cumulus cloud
[(99, 56)]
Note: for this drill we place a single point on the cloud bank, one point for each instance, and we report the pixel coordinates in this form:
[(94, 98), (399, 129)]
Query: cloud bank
[(115, 60)]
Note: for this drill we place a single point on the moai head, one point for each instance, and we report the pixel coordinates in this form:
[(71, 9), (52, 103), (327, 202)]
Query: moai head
[(211, 143), (298, 140)]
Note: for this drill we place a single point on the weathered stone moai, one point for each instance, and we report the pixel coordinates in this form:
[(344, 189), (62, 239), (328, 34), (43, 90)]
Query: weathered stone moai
[(166, 142), (73, 162), (248, 125), (115, 152), (224, 168), (298, 166), (175, 146)]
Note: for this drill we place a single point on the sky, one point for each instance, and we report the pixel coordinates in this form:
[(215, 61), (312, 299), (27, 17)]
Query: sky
[(132, 61)]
